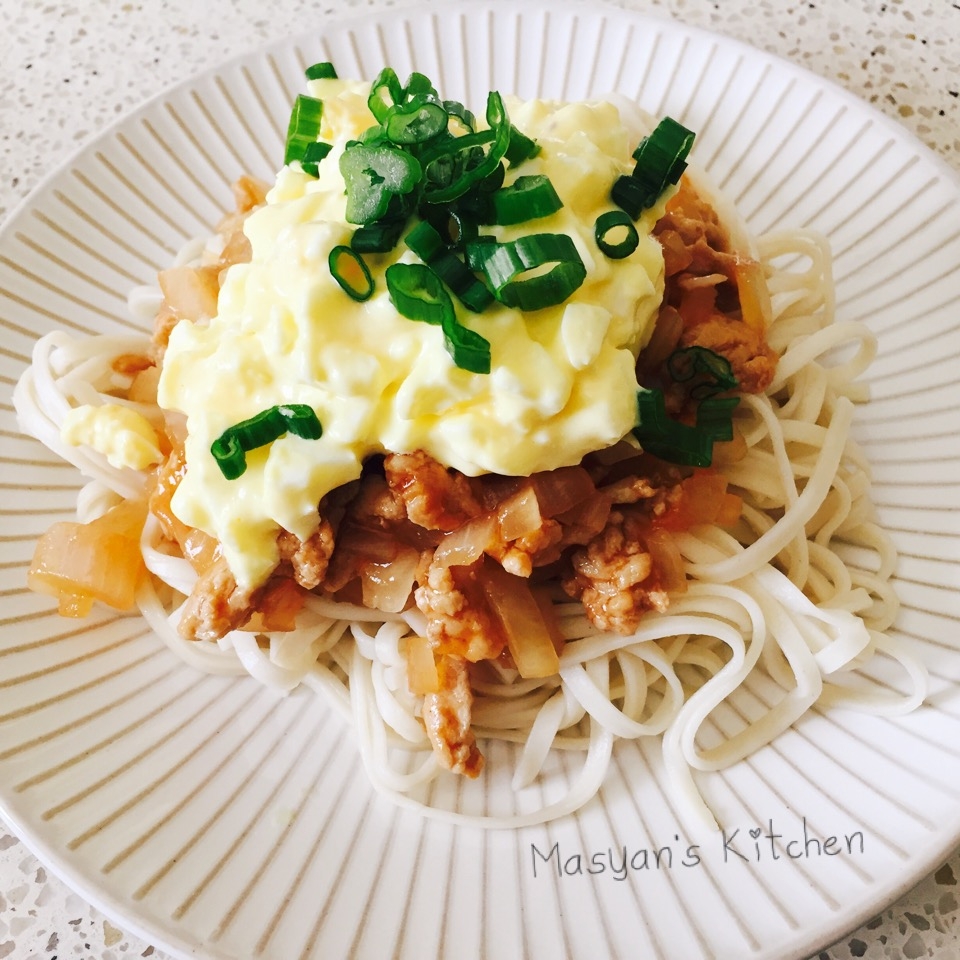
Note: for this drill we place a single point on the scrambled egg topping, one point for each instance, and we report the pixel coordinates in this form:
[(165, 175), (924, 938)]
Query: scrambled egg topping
[(562, 380), (123, 436)]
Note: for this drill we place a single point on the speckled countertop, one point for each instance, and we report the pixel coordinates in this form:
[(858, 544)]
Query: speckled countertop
[(68, 69)]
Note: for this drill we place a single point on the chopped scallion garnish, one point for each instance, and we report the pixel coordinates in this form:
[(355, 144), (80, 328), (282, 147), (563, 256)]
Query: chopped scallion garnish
[(457, 112), (457, 163), (427, 243), (709, 373), (385, 91), (521, 147), (415, 122), (505, 264), (670, 439), (527, 198), (470, 291), (419, 294), (321, 71), (304, 127), (418, 85), (616, 220), (350, 271), (230, 448), (374, 174), (715, 417), (313, 153), (660, 162), (426, 156), (379, 237)]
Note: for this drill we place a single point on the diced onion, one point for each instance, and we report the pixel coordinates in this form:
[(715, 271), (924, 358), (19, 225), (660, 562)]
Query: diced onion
[(664, 339), (191, 292), (701, 497), (466, 544), (677, 256), (587, 518), (667, 560), (144, 386), (755, 306), (236, 249), (422, 677), (368, 544), (387, 586), (726, 452), (707, 280), (729, 510), (560, 490), (697, 305), (278, 608), (528, 636), (249, 192), (519, 515), (81, 562)]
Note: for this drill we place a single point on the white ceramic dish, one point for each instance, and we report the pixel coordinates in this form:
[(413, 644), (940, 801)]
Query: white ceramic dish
[(220, 822)]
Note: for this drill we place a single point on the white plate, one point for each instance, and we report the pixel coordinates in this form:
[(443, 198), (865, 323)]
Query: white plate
[(219, 821)]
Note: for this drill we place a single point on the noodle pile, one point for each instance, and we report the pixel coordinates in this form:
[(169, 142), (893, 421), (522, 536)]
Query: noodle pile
[(794, 600)]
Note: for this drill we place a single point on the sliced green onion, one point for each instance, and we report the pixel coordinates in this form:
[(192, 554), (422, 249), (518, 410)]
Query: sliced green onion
[(316, 151), (632, 196), (492, 182), (347, 267), (715, 417), (669, 439), (373, 174), (455, 224), (379, 237), (304, 127), (321, 71), (679, 442), (448, 163), (414, 122), (461, 228), (475, 205), (470, 291), (230, 456), (527, 198), (614, 220), (425, 241), (715, 373), (230, 448), (661, 157), (454, 168), (504, 264), (385, 91), (301, 420), (468, 349), (418, 85), (260, 429), (521, 147), (660, 162), (419, 294), (458, 112), (312, 155)]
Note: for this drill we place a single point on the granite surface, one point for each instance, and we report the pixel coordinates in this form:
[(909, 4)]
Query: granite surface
[(71, 68)]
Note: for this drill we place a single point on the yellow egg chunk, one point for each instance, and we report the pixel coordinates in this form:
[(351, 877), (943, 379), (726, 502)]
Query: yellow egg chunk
[(562, 381), (123, 436)]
